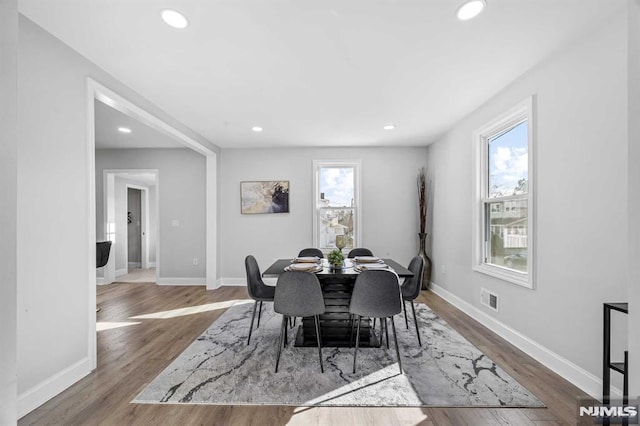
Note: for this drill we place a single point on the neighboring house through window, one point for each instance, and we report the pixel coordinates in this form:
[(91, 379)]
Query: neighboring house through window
[(503, 213), (336, 203)]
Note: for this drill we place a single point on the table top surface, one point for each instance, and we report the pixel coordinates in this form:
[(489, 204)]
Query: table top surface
[(278, 268)]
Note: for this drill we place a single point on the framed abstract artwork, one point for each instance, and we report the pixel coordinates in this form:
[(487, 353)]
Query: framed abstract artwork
[(260, 197)]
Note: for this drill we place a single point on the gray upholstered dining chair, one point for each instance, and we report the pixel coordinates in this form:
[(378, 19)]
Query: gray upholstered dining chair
[(310, 252), (258, 290), (359, 251), (376, 294), (103, 248), (298, 294), (411, 289)]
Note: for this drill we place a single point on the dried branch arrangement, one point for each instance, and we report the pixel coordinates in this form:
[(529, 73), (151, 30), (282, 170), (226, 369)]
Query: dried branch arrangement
[(422, 199)]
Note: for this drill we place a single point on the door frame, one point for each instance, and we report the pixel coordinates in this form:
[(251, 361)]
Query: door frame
[(97, 91), (109, 215)]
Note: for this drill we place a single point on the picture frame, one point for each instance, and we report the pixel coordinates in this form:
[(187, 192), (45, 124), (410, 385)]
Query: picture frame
[(264, 197)]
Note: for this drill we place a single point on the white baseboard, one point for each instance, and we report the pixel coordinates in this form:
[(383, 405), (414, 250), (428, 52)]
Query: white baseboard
[(44, 391), (101, 281), (121, 272), (571, 372), (181, 281), (135, 265), (151, 264), (231, 282)]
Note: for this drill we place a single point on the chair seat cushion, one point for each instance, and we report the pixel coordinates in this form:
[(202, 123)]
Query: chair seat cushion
[(265, 293), (407, 293)]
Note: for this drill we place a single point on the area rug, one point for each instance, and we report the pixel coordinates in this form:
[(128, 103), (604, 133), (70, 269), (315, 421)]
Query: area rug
[(447, 371)]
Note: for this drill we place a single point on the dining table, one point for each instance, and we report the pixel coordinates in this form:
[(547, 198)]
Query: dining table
[(336, 323)]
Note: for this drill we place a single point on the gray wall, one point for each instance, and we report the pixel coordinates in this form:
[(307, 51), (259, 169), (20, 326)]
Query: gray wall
[(389, 203), (634, 196), (181, 188), (53, 294), (8, 211), (581, 208)]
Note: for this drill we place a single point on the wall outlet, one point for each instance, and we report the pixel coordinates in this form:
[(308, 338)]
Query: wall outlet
[(443, 269), (175, 223), (195, 261)]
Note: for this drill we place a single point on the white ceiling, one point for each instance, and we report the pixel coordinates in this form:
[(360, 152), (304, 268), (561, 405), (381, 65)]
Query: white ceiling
[(318, 72), (108, 120)]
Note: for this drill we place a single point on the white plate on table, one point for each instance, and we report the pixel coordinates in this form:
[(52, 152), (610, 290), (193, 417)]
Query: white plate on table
[(367, 259), (306, 259), (304, 267), (372, 266)]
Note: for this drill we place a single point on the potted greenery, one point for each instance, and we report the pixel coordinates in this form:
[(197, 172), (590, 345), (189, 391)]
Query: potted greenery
[(336, 258)]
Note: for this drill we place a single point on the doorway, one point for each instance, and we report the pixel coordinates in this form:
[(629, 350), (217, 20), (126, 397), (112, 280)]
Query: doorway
[(134, 229), (131, 210), (96, 91)]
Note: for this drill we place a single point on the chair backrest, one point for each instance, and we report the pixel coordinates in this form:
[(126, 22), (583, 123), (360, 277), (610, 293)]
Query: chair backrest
[(311, 252), (376, 294), (254, 278), (360, 251), (413, 285), (298, 294), (103, 248)]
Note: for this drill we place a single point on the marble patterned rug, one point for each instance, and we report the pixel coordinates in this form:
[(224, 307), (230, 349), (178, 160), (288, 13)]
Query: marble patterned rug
[(447, 371)]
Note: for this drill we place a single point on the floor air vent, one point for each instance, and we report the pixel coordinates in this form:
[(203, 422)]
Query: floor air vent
[(488, 299)]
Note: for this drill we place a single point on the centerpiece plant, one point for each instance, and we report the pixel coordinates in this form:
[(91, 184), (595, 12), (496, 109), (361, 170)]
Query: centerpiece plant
[(336, 258)]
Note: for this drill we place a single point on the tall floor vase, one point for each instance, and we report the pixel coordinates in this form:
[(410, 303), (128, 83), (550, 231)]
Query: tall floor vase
[(426, 276)]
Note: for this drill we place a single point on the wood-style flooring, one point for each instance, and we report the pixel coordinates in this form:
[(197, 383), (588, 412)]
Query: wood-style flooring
[(132, 351)]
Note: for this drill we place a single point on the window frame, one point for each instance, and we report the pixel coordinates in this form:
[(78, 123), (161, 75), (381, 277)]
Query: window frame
[(317, 208), (523, 111)]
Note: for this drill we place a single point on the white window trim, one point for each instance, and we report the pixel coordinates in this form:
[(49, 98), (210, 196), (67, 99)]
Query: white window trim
[(520, 112), (357, 165)]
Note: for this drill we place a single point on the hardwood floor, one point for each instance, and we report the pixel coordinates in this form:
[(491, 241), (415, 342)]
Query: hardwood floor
[(151, 325)]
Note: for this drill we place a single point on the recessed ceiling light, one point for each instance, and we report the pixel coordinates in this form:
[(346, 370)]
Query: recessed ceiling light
[(470, 9), (256, 128), (389, 127), (124, 130), (174, 19)]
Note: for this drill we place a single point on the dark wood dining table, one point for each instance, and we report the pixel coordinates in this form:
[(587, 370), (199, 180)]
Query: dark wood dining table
[(335, 323)]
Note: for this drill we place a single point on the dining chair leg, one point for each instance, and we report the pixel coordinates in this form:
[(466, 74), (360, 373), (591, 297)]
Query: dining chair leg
[(374, 324), (355, 353), (315, 317), (404, 308), (259, 314), (381, 330), (252, 318), (283, 328), (415, 320), (286, 335), (386, 330), (395, 337), (351, 324)]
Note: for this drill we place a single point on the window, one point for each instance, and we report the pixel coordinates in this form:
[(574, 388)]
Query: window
[(336, 203), (503, 215)]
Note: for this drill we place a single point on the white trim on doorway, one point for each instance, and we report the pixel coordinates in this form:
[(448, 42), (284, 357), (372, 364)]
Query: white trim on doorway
[(97, 91)]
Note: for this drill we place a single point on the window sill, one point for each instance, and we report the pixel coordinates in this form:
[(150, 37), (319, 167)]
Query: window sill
[(518, 278)]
